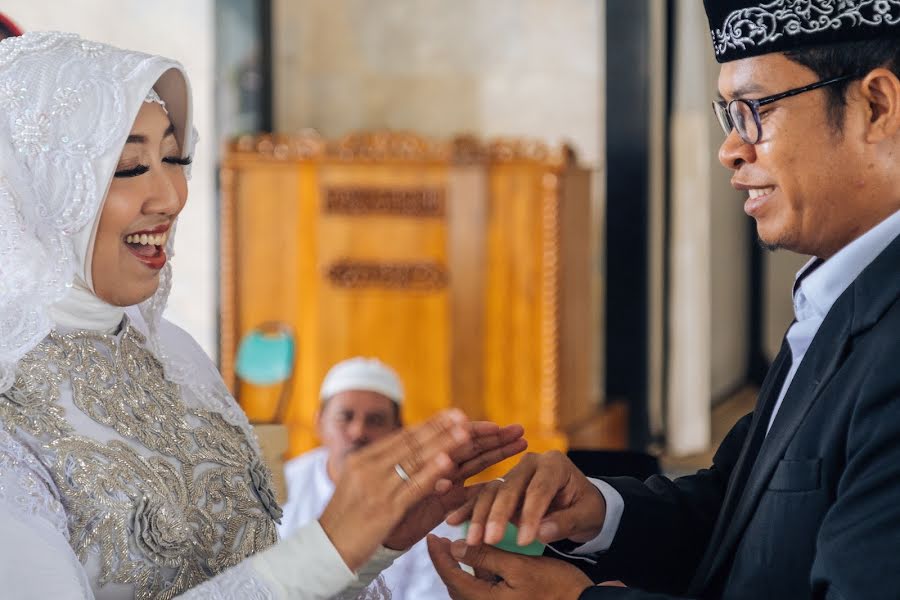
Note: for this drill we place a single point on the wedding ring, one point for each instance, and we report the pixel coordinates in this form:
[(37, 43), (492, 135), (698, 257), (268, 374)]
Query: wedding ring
[(401, 472), (500, 479)]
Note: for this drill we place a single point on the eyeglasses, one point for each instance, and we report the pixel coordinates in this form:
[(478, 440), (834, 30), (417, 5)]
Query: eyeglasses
[(743, 115)]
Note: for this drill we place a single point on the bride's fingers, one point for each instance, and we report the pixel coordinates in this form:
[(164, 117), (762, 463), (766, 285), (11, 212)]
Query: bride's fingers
[(415, 486), (413, 448), (486, 436), (490, 458)]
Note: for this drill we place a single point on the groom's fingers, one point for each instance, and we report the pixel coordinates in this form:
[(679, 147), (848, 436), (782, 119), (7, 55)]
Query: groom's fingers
[(460, 584)]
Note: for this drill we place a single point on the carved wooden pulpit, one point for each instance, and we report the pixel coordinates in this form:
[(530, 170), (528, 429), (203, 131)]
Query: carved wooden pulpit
[(470, 268)]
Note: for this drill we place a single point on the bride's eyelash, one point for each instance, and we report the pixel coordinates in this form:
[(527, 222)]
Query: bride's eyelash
[(141, 169), (176, 160), (133, 172)]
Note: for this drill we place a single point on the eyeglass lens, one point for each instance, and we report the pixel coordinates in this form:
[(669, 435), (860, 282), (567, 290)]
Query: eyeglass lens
[(744, 120), (723, 118)]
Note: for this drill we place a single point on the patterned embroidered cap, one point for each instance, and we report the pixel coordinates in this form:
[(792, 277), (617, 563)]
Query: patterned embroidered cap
[(744, 28)]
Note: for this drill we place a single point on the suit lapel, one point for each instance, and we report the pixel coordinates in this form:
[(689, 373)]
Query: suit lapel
[(765, 400), (825, 354)]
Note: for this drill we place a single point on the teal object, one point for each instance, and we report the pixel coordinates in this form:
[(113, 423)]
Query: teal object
[(265, 358), (509, 544)]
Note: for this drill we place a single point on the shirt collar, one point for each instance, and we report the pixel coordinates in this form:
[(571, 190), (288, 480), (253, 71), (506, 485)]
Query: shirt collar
[(819, 284)]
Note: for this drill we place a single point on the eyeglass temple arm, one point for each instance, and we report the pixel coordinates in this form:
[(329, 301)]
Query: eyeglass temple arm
[(806, 88)]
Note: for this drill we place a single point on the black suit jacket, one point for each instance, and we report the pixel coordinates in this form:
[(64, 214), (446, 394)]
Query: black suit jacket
[(815, 513)]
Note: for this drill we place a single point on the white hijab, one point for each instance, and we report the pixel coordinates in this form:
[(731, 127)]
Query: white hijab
[(81, 308), (67, 106)]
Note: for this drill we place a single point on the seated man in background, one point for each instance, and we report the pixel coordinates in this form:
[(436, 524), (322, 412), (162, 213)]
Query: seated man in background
[(360, 404)]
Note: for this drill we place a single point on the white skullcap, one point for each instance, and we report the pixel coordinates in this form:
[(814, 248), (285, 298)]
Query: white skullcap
[(362, 374)]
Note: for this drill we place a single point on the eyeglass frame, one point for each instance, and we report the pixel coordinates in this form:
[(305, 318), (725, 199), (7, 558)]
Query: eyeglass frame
[(756, 103)]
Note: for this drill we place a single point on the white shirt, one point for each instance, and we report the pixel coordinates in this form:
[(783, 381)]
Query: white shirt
[(411, 577), (813, 298)]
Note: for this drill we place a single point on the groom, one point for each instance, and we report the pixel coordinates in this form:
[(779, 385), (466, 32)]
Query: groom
[(803, 497)]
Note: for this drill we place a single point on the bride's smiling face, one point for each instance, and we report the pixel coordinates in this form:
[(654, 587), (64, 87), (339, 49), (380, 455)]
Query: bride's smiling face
[(146, 194)]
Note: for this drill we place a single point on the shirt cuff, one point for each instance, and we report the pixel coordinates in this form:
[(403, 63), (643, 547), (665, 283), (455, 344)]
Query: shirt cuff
[(614, 507), (305, 562)]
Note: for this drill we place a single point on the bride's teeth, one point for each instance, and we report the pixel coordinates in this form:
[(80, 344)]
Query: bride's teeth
[(157, 239)]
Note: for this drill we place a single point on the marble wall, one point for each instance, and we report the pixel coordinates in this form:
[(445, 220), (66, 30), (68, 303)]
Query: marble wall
[(184, 31), (490, 67)]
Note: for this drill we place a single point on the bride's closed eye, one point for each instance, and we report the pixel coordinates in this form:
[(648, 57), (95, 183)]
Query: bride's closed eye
[(141, 169)]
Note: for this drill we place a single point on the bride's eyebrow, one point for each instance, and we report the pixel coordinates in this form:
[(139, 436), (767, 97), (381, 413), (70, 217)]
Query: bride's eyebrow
[(139, 138)]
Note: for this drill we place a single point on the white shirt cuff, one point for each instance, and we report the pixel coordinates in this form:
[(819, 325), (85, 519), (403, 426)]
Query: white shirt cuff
[(305, 564), (614, 507)]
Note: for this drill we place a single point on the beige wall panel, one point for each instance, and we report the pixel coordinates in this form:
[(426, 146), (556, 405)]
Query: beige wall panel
[(490, 67)]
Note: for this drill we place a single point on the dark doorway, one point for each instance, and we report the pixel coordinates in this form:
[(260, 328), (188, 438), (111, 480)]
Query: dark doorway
[(628, 210)]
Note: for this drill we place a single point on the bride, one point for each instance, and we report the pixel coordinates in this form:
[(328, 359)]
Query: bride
[(126, 468)]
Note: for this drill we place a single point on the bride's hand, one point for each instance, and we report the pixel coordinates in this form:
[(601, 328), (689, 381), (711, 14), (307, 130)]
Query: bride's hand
[(381, 482), (488, 445)]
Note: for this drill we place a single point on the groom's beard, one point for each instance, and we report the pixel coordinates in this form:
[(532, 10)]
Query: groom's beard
[(766, 246)]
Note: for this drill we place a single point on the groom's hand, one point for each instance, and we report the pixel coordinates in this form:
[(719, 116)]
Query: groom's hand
[(503, 575), (545, 495)]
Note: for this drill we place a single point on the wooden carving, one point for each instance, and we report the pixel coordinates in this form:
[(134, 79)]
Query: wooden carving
[(421, 276), (368, 201)]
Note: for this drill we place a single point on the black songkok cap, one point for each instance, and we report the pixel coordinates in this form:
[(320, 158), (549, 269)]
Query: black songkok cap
[(742, 28)]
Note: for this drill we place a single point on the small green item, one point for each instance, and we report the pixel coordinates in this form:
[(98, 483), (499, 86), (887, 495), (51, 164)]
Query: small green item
[(265, 358), (509, 544)]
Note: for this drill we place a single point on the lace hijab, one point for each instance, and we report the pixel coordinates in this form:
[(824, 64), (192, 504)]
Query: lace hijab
[(67, 106)]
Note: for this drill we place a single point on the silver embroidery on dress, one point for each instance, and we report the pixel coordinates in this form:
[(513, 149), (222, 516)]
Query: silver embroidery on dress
[(769, 21), (181, 498), (30, 485), (377, 590)]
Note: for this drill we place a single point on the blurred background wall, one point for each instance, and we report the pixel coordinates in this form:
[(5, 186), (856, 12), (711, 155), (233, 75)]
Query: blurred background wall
[(497, 68)]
